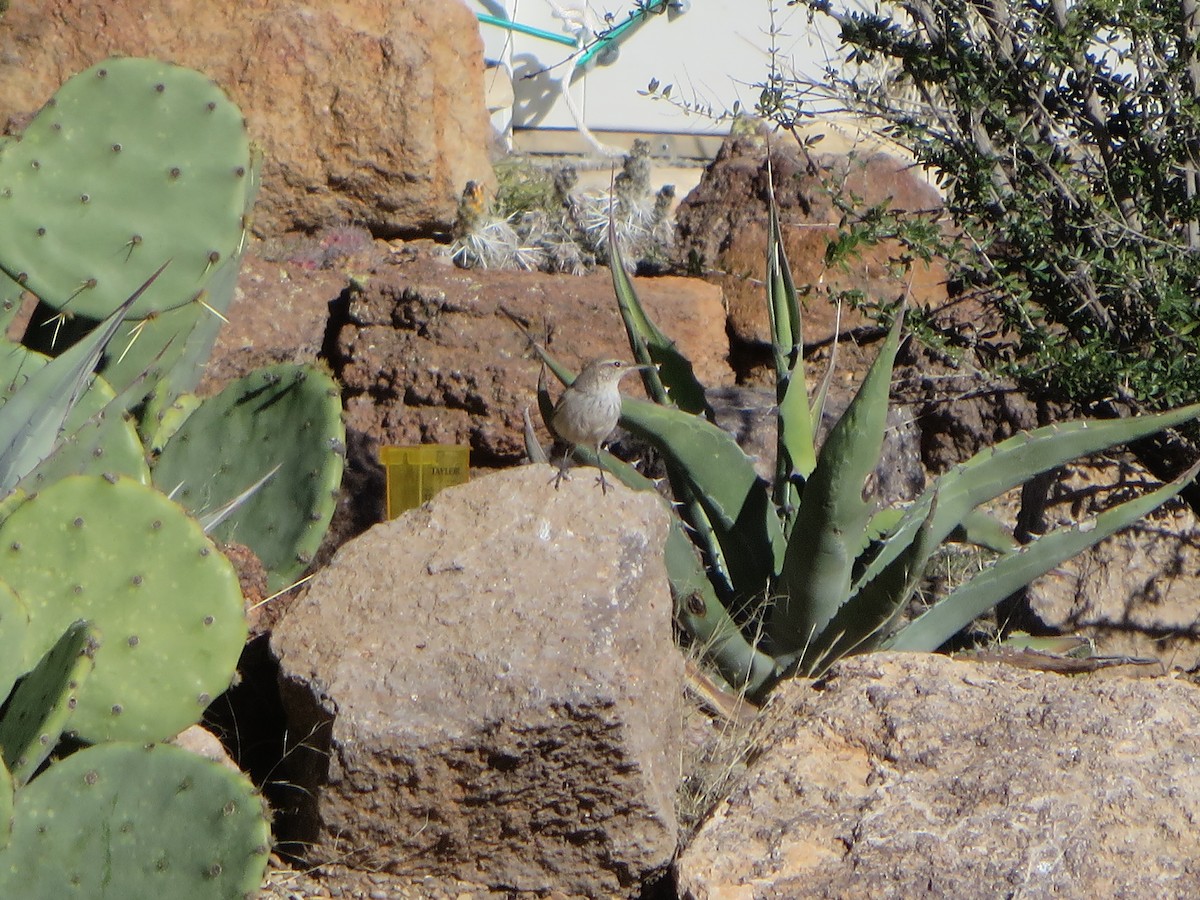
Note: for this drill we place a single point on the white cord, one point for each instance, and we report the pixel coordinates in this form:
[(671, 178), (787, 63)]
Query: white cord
[(583, 25)]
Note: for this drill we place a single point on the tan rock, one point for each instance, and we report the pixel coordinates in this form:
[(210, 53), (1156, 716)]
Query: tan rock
[(1133, 593), (368, 111), (202, 742), (488, 691), (916, 775)]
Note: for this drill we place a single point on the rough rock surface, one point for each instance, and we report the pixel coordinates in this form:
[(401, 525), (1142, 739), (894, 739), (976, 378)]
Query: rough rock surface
[(368, 111), (490, 691), (1133, 593), (722, 228), (918, 775), (279, 314), (426, 355)]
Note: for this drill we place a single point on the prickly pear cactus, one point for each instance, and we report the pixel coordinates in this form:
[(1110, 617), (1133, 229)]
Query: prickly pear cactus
[(14, 622), (88, 444), (10, 302), (284, 415), (132, 163), (38, 711), (6, 806), (166, 420), (130, 821), (194, 328), (165, 600)]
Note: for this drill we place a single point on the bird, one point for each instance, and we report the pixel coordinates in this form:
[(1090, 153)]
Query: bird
[(588, 410)]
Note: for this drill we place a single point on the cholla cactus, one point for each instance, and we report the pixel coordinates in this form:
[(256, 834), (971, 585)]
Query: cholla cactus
[(567, 231), (485, 241)]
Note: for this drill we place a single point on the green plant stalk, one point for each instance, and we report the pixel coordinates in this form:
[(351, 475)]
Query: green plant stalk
[(824, 544), (796, 438)]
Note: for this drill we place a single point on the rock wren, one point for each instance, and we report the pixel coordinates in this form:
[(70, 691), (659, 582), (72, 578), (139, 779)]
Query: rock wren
[(588, 410)]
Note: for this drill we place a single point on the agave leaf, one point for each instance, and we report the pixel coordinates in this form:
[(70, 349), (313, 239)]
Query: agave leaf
[(708, 622), (796, 452), (783, 308), (722, 480), (827, 535), (533, 448), (1015, 570), (213, 518), (882, 524), (982, 529), (673, 380), (866, 618), (818, 405), (31, 419), (1012, 462)]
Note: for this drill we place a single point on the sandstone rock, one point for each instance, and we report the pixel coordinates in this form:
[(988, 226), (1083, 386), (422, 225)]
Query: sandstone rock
[(368, 111), (489, 692), (1133, 593), (722, 227), (917, 775), (202, 742), (426, 355)]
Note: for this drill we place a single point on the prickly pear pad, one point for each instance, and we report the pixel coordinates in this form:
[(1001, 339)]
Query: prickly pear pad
[(168, 604), (14, 622), (132, 163), (6, 805), (38, 711), (128, 821), (285, 415)]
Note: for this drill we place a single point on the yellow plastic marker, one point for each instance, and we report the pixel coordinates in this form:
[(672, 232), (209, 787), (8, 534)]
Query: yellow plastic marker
[(414, 474)]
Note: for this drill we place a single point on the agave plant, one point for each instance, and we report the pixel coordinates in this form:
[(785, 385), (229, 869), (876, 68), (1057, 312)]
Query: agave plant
[(795, 573)]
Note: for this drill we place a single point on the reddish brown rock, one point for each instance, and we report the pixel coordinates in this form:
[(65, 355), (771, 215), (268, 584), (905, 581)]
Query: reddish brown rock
[(722, 228), (280, 313), (368, 111), (426, 356)]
